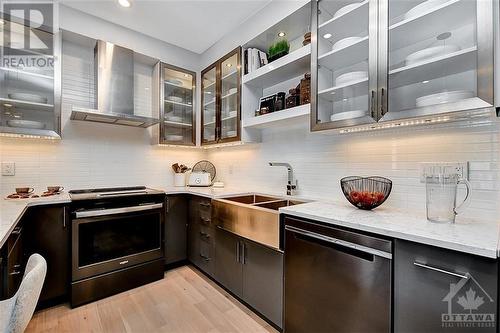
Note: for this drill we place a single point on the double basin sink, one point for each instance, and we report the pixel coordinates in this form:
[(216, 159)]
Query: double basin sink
[(253, 216)]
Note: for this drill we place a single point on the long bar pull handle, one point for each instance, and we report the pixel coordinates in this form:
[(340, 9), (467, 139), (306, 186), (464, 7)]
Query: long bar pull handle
[(435, 269), (237, 251), (373, 106), (340, 242), (64, 217), (244, 256), (112, 211), (382, 102)]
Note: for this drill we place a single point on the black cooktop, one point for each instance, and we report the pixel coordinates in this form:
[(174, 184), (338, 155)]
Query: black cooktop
[(109, 192)]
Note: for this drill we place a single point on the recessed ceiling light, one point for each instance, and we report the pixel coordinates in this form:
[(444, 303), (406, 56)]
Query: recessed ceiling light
[(229, 64), (186, 75), (426, 81), (125, 3), (281, 34), (327, 35)]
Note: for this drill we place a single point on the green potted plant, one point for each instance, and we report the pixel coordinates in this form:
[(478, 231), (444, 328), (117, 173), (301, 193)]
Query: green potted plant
[(278, 50)]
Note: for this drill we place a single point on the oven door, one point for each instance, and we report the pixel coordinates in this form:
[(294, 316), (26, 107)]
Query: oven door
[(104, 240)]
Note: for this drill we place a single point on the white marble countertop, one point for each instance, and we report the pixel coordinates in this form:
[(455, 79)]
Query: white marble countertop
[(11, 211), (464, 235)]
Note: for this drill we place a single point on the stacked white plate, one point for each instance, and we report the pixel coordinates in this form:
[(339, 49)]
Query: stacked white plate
[(430, 53), (230, 134), (348, 115), (233, 114), (345, 42), (444, 97), (175, 99), (346, 78), (176, 119), (175, 82), (25, 124), (346, 9), (172, 137), (423, 7), (25, 97)]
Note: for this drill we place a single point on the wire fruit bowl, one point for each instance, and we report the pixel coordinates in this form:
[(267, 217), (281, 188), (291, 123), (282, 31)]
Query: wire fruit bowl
[(366, 192)]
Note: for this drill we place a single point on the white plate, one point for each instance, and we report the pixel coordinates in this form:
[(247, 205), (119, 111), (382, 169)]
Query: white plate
[(430, 52), (346, 9), (175, 82), (346, 42), (25, 97), (348, 115), (233, 114), (25, 124), (175, 99), (232, 91), (350, 77), (176, 119), (423, 7), (172, 137), (444, 97)]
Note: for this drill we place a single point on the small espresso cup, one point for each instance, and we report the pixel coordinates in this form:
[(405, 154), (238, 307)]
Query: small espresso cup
[(24, 190), (55, 189)]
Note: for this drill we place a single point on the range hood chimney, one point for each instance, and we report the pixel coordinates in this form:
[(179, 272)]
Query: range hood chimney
[(114, 71)]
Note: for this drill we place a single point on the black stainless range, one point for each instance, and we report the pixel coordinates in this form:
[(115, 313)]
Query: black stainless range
[(117, 240)]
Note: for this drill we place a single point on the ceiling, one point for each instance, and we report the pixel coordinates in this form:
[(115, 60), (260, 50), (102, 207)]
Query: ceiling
[(193, 25)]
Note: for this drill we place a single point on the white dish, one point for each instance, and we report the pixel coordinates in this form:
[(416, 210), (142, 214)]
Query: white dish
[(25, 97), (430, 52), (175, 82), (423, 7), (172, 137), (232, 91), (346, 9), (230, 134), (175, 99), (233, 114), (25, 124), (350, 77), (444, 97), (176, 119), (348, 115), (346, 42)]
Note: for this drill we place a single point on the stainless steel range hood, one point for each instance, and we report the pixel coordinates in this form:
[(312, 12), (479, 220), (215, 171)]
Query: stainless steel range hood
[(114, 72)]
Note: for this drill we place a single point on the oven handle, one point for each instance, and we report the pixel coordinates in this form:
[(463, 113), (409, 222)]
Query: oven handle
[(113, 211)]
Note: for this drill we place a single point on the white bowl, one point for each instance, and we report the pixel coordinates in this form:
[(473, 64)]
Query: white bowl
[(348, 115), (423, 7), (25, 97), (344, 79), (346, 9), (172, 137), (444, 97), (430, 52), (346, 42), (25, 124)]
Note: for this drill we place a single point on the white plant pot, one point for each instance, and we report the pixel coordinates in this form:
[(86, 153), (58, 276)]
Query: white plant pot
[(179, 179)]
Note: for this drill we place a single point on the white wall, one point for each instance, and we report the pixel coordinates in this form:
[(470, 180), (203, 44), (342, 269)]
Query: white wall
[(92, 155)]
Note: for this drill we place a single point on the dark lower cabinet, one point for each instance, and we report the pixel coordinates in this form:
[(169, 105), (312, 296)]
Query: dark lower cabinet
[(438, 290), (252, 272), (47, 232), (200, 235), (15, 260), (176, 229)]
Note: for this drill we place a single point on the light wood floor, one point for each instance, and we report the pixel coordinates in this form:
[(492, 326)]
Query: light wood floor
[(184, 301)]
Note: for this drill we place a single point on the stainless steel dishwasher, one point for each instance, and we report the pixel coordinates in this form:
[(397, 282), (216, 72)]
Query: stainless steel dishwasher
[(335, 280)]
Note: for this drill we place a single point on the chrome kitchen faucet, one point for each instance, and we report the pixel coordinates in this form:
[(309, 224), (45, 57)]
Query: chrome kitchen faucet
[(291, 184)]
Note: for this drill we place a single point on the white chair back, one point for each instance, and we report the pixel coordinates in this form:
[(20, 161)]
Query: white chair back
[(16, 312)]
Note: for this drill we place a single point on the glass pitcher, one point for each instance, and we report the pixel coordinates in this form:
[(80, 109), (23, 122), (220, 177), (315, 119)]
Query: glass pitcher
[(442, 197)]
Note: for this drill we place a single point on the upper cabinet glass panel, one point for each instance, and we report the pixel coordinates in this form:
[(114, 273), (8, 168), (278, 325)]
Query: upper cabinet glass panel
[(209, 105), (345, 63), (29, 104), (229, 97), (439, 57), (178, 113)]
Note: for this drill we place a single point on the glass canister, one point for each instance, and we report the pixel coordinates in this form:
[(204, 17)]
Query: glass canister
[(441, 201)]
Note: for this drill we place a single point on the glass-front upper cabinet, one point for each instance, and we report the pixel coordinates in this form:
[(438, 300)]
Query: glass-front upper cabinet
[(177, 125), (30, 81), (209, 105), (221, 100), (438, 59), (344, 63)]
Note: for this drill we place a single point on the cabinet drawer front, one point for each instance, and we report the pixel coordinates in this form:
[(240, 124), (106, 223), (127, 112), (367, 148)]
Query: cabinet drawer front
[(433, 284)]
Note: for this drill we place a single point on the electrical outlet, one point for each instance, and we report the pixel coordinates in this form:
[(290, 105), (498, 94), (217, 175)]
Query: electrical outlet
[(459, 168), (8, 169)]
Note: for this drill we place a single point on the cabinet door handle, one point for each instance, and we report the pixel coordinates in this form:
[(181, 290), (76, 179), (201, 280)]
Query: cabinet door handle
[(205, 204), (373, 106), (64, 217), (204, 234), (435, 269), (205, 220), (238, 251), (204, 257), (17, 230), (382, 102), (15, 273), (244, 254)]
